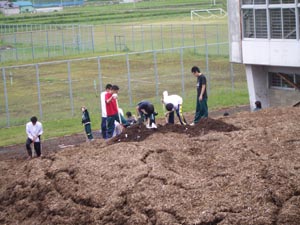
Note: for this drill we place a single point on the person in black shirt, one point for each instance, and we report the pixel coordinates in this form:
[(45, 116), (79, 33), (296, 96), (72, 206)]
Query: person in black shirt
[(145, 111), (201, 105)]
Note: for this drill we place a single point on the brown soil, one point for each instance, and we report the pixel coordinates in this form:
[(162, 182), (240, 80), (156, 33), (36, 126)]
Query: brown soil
[(240, 169)]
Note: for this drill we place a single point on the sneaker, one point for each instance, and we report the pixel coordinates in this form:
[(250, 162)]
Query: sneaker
[(154, 126), (192, 124), (147, 126)]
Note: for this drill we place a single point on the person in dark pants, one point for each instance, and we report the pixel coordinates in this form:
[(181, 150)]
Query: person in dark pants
[(173, 103), (103, 111), (201, 102), (34, 130), (86, 121), (145, 111), (112, 110)]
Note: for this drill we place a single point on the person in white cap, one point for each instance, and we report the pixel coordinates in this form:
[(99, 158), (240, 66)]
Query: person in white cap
[(173, 103)]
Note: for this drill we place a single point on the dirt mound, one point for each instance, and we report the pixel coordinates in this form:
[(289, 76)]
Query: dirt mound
[(139, 132), (240, 169)]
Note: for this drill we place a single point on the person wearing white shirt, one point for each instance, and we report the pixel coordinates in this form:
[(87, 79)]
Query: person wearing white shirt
[(34, 130), (173, 103), (103, 111)]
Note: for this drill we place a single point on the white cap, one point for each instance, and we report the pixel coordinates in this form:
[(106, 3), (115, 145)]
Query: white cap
[(165, 93)]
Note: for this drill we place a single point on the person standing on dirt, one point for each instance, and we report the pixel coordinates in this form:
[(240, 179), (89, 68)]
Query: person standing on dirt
[(34, 130), (86, 121), (103, 111), (112, 111), (173, 103), (201, 102), (145, 112)]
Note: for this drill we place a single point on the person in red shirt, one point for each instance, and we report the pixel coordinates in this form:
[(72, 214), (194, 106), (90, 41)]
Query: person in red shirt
[(112, 111)]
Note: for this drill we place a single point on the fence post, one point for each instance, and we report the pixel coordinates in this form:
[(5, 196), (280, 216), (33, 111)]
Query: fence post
[(47, 41), (207, 61), (143, 44), (132, 38), (32, 48), (232, 76), (151, 27), (92, 33), (106, 42), (194, 41), (218, 37), (100, 78), (161, 38), (128, 79), (63, 41), (155, 72), (70, 88), (6, 99), (172, 41), (39, 90), (182, 71), (16, 49), (182, 36)]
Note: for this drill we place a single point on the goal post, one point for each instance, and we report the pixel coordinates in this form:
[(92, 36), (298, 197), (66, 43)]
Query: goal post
[(208, 13)]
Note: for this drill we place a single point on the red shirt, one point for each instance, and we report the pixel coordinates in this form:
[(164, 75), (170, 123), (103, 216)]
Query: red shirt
[(111, 107)]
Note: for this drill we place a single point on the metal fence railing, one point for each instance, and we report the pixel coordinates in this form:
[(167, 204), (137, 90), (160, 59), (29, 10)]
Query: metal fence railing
[(35, 41), (56, 90)]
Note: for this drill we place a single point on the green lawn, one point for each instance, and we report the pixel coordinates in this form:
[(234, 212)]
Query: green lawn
[(58, 119)]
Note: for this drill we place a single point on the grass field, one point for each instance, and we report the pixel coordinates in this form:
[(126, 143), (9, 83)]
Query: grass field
[(58, 117)]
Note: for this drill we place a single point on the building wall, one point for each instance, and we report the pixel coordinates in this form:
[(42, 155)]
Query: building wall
[(260, 57), (26, 9), (259, 88), (279, 97), (10, 11), (271, 52)]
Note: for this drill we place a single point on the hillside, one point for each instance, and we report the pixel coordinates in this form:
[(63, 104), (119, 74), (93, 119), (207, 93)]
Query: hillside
[(239, 169)]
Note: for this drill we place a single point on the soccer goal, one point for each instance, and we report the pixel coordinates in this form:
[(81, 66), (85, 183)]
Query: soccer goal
[(208, 13)]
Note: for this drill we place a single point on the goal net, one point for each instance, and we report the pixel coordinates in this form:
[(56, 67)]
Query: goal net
[(208, 13)]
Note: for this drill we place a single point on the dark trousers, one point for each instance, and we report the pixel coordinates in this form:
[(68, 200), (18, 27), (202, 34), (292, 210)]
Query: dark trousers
[(178, 111), (104, 127), (37, 147), (171, 117), (201, 110), (111, 123), (145, 117), (88, 131)]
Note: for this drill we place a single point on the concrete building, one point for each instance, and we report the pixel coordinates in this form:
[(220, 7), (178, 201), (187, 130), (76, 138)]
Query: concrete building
[(25, 6), (9, 8), (264, 35)]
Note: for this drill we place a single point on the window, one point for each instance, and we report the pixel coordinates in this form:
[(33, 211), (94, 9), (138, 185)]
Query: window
[(289, 23), (251, 2), (261, 30), (281, 1), (273, 19), (283, 80), (248, 23)]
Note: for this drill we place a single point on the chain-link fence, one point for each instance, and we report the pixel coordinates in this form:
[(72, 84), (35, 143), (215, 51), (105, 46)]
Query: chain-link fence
[(57, 90), (23, 42)]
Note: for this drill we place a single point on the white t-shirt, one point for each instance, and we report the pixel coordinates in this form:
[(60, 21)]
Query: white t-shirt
[(34, 130), (174, 99), (103, 105)]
